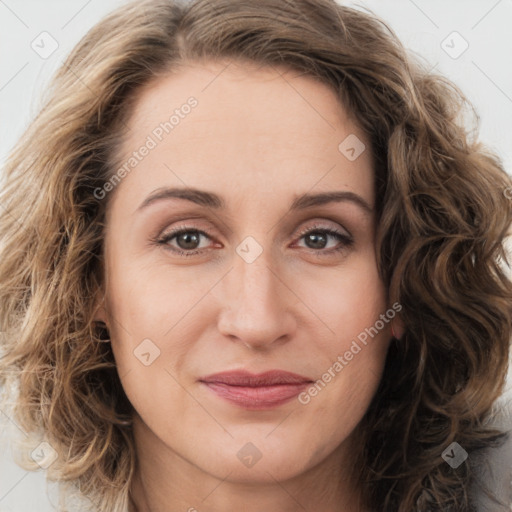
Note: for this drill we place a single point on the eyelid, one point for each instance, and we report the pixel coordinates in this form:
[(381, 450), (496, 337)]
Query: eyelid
[(318, 224), (184, 225)]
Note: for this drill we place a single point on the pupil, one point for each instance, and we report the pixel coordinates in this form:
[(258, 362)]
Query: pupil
[(316, 237), (188, 239)]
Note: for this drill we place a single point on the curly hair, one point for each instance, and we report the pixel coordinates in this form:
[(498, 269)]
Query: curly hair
[(443, 219)]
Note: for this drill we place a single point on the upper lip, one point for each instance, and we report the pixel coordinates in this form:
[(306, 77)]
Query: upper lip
[(247, 379)]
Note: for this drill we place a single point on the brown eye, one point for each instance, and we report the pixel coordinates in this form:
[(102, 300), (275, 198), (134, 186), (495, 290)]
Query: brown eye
[(317, 239), (186, 241)]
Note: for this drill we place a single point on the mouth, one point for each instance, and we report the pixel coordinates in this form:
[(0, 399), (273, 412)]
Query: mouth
[(256, 391)]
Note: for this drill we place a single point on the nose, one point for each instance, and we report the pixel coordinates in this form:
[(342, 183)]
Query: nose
[(257, 309)]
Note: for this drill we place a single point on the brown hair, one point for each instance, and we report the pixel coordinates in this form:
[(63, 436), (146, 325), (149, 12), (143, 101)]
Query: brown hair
[(443, 217)]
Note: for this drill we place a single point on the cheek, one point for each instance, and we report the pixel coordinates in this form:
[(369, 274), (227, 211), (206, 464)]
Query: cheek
[(160, 311), (351, 357), (146, 308), (148, 298), (351, 300)]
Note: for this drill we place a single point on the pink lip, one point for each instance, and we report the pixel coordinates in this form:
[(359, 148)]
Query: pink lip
[(262, 391)]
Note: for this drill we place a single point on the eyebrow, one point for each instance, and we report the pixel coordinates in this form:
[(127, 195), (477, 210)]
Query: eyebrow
[(214, 201)]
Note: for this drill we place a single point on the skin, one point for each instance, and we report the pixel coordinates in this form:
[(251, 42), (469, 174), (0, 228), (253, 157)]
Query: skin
[(259, 137)]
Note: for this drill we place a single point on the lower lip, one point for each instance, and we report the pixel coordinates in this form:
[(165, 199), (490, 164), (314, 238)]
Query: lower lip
[(257, 398)]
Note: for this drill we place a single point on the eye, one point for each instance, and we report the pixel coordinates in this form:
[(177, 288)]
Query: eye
[(187, 240), (317, 238)]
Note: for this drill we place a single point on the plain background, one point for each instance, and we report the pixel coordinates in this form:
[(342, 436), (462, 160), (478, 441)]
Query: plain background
[(483, 71)]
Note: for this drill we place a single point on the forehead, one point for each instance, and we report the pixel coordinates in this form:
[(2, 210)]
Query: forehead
[(253, 130)]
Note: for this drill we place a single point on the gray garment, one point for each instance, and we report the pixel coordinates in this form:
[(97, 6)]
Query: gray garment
[(494, 465)]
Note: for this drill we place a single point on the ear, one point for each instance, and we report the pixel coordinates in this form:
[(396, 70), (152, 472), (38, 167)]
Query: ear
[(398, 326), (100, 313)]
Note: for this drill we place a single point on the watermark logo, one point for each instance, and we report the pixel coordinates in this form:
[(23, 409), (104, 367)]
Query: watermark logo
[(44, 454), (146, 352), (454, 45), (249, 455), (454, 455), (351, 147), (44, 45), (249, 249)]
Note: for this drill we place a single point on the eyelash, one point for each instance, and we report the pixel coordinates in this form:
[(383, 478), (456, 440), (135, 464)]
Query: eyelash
[(346, 240)]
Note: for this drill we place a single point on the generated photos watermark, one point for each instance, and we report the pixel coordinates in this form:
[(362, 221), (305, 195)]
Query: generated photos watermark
[(152, 140), (343, 360)]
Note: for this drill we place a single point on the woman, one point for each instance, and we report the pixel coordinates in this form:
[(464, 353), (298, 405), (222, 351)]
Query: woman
[(252, 260)]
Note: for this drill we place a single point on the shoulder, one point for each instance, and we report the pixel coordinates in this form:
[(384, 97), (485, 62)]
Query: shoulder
[(493, 466)]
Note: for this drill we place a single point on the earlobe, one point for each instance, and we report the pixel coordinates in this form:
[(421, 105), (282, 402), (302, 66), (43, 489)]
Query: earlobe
[(100, 313), (397, 327)]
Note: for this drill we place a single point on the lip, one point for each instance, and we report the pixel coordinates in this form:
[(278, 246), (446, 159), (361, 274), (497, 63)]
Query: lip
[(256, 391)]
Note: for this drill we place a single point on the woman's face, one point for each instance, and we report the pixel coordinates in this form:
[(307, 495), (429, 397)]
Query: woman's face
[(255, 281)]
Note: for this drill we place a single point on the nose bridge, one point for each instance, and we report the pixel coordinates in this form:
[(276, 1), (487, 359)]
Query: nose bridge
[(255, 309), (256, 281)]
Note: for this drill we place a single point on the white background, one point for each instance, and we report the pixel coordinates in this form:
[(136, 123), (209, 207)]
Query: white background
[(483, 71)]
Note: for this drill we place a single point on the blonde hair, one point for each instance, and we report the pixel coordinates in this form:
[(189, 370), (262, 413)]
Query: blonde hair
[(442, 211)]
